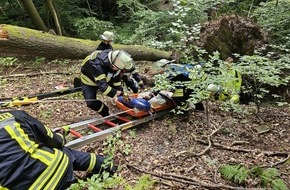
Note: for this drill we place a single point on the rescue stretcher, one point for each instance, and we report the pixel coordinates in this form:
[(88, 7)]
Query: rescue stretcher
[(138, 107)]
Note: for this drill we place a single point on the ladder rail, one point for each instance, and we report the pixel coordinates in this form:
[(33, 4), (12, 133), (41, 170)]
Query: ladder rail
[(98, 136)]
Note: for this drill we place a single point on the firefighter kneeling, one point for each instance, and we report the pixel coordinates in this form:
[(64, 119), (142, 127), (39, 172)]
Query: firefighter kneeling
[(34, 157)]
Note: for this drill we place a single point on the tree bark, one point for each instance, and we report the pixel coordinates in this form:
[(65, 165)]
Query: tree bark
[(33, 14), (16, 40)]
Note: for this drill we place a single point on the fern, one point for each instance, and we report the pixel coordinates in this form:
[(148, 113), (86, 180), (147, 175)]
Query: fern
[(279, 184), (235, 173), (270, 177)]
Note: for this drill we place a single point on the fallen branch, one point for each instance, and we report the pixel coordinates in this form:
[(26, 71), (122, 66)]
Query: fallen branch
[(187, 180), (35, 74), (207, 148), (266, 153)]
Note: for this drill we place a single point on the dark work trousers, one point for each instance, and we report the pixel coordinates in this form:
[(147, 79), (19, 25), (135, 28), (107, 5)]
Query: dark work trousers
[(90, 95), (78, 161)]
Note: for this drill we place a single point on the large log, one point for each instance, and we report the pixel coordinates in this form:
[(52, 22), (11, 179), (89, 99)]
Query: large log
[(15, 40)]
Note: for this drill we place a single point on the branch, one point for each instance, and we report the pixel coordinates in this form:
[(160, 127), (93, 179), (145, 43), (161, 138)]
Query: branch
[(34, 74), (187, 180), (207, 148), (266, 153)]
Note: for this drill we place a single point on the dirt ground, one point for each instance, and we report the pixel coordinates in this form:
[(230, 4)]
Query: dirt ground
[(174, 149)]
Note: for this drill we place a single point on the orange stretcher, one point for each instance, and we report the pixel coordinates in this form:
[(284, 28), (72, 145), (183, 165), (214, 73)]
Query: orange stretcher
[(140, 113)]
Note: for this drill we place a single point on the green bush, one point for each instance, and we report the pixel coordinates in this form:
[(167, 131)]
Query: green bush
[(274, 16)]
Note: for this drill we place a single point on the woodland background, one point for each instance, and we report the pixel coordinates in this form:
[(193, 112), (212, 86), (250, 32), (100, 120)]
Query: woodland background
[(227, 146)]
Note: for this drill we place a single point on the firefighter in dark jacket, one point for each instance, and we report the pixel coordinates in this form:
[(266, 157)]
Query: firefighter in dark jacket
[(107, 38), (101, 71), (34, 157), (131, 78)]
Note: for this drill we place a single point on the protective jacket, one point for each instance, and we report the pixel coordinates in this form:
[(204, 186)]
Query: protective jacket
[(183, 73), (33, 156), (96, 71), (29, 153), (230, 89), (104, 46)]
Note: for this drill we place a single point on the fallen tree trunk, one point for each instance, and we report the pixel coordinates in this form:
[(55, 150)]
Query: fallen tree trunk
[(15, 40)]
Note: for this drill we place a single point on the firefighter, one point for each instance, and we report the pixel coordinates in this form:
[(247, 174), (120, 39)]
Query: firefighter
[(130, 77), (34, 157), (179, 74), (100, 71), (107, 38), (230, 89), (217, 92)]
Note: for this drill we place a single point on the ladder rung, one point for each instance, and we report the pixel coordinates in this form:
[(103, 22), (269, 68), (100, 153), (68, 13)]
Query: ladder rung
[(110, 123), (123, 119), (94, 128), (75, 133)]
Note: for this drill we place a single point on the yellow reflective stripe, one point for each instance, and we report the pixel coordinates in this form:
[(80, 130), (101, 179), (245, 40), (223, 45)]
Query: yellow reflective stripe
[(3, 188), (140, 82), (86, 80), (27, 145), (92, 162), (86, 59), (57, 167), (101, 108), (57, 176), (108, 90), (177, 93), (102, 76), (4, 116), (117, 84), (48, 132)]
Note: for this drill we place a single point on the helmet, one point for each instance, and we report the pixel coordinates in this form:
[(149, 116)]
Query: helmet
[(107, 36), (121, 59), (213, 88), (162, 62)]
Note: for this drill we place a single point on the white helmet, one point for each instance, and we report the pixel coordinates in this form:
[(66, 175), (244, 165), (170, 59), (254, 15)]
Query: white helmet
[(213, 88), (107, 36), (120, 59)]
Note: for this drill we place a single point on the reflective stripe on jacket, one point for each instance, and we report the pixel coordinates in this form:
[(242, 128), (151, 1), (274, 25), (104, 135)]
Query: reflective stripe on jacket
[(29, 153)]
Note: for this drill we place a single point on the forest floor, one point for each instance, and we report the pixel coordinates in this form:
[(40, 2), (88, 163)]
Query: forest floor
[(174, 149)]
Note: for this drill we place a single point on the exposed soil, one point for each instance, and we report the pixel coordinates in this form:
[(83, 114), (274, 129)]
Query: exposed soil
[(172, 148)]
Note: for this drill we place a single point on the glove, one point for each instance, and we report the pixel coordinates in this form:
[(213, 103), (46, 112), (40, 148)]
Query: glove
[(65, 130)]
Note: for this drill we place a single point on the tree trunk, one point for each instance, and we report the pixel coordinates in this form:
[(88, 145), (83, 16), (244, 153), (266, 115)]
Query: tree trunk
[(33, 14), (55, 16), (16, 40)]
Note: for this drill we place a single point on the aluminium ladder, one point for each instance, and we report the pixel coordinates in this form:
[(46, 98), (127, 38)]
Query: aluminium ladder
[(103, 127)]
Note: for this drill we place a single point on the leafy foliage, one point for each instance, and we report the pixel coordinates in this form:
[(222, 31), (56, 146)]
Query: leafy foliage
[(91, 28), (235, 173), (270, 177), (275, 18), (239, 174)]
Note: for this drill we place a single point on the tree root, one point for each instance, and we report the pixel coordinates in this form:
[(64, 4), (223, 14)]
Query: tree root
[(186, 180)]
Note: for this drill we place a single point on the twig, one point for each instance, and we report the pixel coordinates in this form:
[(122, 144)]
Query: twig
[(164, 182), (278, 163), (35, 74), (239, 143), (187, 180)]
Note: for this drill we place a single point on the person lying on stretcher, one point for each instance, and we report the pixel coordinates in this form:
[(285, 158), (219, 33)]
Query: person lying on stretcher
[(146, 101)]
